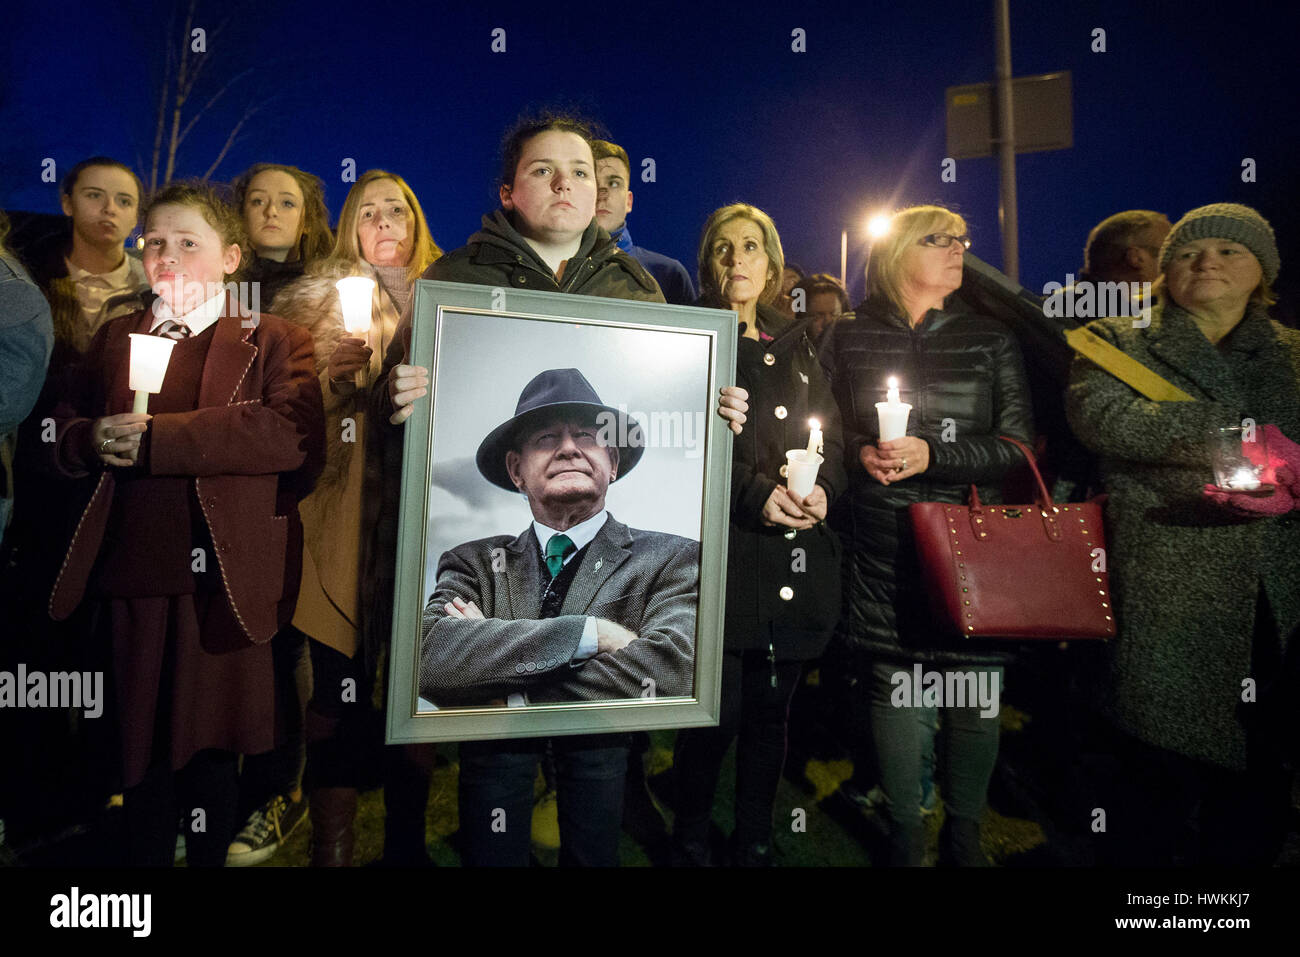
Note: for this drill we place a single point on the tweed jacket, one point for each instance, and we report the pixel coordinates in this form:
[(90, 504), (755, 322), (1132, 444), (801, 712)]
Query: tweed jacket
[(1185, 575), (253, 447), (648, 582)]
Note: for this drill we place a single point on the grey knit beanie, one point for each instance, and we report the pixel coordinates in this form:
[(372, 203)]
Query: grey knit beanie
[(1241, 224)]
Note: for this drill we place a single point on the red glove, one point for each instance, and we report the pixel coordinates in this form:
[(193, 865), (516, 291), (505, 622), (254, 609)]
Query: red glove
[(1284, 458), (1251, 505)]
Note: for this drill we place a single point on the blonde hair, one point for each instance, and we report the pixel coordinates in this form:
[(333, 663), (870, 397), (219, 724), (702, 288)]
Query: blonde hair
[(771, 246), (347, 251), (906, 228)]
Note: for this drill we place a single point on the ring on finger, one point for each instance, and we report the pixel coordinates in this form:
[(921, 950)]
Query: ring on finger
[(103, 446)]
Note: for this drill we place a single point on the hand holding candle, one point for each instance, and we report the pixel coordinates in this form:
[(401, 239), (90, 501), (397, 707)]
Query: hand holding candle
[(892, 414), (149, 358)]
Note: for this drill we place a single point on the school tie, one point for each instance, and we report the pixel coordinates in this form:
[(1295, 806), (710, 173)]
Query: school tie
[(558, 546), (173, 330)]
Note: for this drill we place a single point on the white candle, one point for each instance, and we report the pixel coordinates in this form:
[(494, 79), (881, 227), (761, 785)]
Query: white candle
[(814, 437), (149, 358), (892, 414), (355, 294)]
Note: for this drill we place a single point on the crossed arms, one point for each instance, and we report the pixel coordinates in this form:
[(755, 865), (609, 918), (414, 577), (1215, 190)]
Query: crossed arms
[(470, 660)]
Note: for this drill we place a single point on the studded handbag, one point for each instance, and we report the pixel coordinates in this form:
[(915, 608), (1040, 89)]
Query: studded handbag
[(1019, 572)]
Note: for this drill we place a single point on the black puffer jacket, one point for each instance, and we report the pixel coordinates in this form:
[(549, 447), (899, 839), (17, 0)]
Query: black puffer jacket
[(786, 388), (965, 380)]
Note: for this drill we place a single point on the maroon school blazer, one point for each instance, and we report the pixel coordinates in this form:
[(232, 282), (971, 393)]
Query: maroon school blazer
[(254, 447)]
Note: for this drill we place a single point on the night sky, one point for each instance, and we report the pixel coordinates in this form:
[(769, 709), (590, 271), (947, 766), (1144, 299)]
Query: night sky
[(713, 94)]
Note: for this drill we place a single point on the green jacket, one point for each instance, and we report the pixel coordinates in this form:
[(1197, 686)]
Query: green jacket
[(1185, 575)]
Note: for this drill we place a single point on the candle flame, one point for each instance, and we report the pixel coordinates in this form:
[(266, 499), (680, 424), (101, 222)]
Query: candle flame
[(893, 382), (814, 424)]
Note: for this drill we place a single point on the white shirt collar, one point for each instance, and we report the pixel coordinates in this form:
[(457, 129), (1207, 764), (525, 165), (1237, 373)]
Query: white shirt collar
[(114, 279), (581, 534), (198, 319)]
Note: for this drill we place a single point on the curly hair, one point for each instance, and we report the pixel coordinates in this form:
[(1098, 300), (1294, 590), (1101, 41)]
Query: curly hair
[(211, 205), (317, 240)]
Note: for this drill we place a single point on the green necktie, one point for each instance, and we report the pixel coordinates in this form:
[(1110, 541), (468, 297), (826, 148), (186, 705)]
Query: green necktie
[(559, 546)]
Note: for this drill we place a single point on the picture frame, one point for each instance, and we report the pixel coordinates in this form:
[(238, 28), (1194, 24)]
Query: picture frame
[(656, 370)]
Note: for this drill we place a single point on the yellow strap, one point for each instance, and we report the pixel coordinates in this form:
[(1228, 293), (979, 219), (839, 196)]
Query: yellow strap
[(1124, 367)]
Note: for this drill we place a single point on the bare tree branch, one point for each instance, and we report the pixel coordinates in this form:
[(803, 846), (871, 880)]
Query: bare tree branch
[(230, 140), (183, 84), (216, 96), (163, 89)]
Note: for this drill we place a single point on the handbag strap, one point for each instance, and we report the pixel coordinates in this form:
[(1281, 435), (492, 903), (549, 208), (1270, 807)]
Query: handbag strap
[(1044, 496), (1046, 507)]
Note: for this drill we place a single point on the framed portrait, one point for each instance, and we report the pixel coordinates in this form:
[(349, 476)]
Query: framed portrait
[(564, 513)]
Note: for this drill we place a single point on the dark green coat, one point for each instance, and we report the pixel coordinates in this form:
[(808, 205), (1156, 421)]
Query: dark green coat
[(1185, 575)]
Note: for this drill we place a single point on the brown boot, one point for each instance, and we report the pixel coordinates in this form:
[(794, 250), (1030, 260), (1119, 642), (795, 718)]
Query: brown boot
[(333, 811)]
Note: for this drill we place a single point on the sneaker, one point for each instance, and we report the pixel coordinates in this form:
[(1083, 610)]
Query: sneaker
[(868, 802), (266, 829)]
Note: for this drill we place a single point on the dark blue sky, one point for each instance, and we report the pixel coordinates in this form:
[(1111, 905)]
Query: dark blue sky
[(714, 95)]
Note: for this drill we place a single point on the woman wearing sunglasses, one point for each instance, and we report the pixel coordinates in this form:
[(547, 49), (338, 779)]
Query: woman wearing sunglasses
[(965, 381)]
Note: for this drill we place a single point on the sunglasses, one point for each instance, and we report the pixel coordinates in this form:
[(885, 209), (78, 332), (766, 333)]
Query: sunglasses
[(944, 240)]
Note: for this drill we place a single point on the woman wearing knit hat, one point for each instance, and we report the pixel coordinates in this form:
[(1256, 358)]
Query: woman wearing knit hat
[(1203, 684)]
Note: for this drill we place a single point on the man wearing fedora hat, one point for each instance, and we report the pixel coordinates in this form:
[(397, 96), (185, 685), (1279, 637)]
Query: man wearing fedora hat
[(578, 607)]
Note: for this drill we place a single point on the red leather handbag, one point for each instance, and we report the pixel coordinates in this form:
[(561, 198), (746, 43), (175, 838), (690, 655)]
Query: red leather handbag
[(1021, 572)]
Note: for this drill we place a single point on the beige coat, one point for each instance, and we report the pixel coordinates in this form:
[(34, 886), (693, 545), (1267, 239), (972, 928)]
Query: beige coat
[(334, 515)]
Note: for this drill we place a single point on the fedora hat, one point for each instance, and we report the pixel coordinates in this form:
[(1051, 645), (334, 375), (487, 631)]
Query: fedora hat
[(550, 392)]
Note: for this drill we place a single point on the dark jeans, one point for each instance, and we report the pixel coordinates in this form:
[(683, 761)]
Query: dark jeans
[(496, 799), (210, 784), (968, 750), (756, 711), (279, 771)]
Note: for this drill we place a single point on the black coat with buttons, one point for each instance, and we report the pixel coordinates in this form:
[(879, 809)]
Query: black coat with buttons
[(783, 586), (965, 380)]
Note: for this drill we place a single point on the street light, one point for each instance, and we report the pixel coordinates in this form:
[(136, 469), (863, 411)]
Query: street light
[(877, 227)]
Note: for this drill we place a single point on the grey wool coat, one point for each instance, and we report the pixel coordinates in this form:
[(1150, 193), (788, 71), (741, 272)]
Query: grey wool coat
[(648, 582), (1185, 575)]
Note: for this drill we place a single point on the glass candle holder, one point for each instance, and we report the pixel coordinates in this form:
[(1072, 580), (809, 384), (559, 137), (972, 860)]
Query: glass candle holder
[(1239, 458)]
